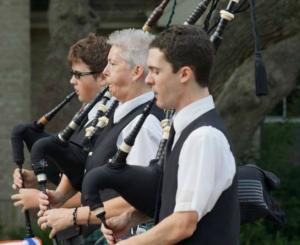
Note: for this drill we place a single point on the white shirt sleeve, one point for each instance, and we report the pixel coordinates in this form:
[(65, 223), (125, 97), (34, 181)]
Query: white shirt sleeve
[(206, 168), (146, 142)]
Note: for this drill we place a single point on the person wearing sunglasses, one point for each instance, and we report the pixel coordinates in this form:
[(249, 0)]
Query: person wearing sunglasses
[(87, 59)]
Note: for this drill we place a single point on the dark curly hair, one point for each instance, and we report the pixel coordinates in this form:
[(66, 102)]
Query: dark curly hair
[(92, 50), (185, 45)]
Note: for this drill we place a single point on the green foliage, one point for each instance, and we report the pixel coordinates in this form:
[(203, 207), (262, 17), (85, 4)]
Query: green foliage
[(279, 154), (18, 233)]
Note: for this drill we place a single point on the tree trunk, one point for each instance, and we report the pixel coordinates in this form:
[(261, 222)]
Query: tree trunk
[(233, 75), (69, 21)]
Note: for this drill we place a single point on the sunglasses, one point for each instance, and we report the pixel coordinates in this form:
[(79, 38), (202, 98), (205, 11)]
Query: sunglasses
[(78, 74)]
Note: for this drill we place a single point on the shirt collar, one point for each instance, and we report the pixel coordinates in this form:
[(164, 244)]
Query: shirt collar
[(192, 111), (125, 108)]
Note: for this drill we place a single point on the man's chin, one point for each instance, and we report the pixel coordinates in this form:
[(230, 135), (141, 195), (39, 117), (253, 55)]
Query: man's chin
[(160, 104), (83, 100), (79, 98), (111, 89)]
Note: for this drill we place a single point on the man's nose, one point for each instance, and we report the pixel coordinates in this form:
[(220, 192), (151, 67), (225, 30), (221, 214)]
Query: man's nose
[(73, 80), (149, 79), (106, 71)]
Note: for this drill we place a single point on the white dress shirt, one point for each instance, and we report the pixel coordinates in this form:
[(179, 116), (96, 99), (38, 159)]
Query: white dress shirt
[(147, 140), (93, 112), (206, 163)]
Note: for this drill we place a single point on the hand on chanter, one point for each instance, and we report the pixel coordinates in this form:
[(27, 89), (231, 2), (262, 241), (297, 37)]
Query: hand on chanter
[(29, 179), (51, 198), (26, 199), (117, 227), (57, 219)]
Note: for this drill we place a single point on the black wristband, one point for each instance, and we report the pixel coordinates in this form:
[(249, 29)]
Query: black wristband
[(75, 216), (89, 218)]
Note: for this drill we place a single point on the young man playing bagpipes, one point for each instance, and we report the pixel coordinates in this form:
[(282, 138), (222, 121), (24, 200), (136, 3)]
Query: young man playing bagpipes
[(199, 203), (87, 59)]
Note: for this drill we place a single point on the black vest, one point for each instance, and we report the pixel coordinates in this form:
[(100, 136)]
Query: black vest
[(105, 146), (79, 134), (221, 225)]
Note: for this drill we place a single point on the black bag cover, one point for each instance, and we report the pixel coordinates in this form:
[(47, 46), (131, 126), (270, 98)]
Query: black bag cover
[(254, 186)]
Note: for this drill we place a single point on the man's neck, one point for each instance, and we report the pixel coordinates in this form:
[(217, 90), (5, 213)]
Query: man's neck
[(136, 91), (190, 95)]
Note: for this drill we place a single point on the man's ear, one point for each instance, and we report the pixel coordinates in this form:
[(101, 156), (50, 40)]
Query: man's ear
[(185, 74), (137, 72)]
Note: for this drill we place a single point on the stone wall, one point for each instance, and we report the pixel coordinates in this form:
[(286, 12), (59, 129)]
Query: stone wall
[(14, 93)]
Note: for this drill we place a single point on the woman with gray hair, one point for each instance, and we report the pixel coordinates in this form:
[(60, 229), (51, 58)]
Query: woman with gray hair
[(125, 73)]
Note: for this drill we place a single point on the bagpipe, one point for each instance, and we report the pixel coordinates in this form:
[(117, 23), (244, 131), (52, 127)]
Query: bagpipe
[(48, 150), (90, 194), (29, 134), (66, 133), (141, 186), (66, 155), (52, 146), (101, 121), (71, 158), (40, 172)]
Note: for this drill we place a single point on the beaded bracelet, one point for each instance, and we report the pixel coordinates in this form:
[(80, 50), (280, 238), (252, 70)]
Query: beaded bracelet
[(75, 216)]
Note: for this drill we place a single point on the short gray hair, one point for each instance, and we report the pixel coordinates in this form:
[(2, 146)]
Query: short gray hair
[(134, 44)]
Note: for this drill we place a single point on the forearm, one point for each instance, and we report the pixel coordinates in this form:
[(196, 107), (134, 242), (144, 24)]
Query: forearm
[(177, 226), (85, 217), (136, 217), (113, 207), (65, 190), (74, 201)]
